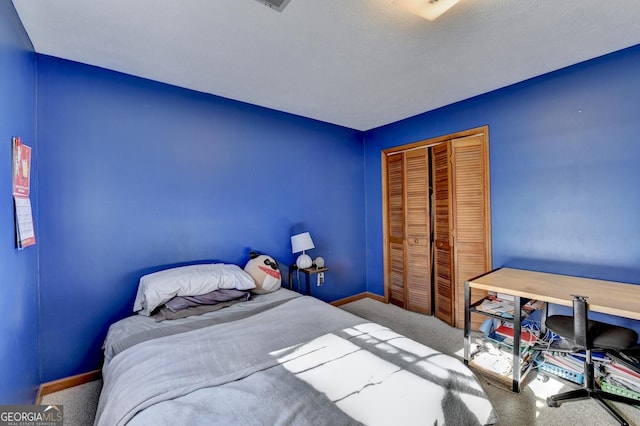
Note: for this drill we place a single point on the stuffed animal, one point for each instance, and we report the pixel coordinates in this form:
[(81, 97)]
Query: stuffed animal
[(265, 272)]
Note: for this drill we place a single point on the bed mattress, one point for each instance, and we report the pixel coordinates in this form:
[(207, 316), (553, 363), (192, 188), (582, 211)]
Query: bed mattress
[(281, 359)]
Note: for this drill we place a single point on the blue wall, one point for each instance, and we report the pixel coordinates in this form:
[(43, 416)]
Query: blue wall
[(140, 175), (19, 375), (565, 170)]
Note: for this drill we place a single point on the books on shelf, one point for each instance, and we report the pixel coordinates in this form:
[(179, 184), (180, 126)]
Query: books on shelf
[(496, 306), (614, 374), (619, 368), (507, 331), (622, 374), (611, 386), (504, 296), (504, 307), (498, 359), (563, 365), (507, 342), (596, 356), (497, 363), (566, 362)]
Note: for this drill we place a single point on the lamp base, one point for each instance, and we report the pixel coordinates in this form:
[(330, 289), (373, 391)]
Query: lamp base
[(304, 261)]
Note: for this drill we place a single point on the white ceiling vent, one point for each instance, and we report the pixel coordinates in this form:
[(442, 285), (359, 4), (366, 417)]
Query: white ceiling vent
[(275, 4)]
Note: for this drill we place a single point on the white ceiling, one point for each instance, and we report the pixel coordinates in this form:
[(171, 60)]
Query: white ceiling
[(355, 63)]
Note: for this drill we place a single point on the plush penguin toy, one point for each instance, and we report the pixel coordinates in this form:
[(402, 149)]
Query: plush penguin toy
[(265, 272)]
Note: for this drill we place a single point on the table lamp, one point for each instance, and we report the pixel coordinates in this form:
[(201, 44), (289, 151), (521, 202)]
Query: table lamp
[(300, 243)]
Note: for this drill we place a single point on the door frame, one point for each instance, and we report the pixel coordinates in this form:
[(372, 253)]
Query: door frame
[(385, 190)]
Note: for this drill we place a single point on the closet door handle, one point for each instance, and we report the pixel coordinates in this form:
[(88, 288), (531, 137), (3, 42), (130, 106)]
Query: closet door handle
[(443, 245), (413, 241)]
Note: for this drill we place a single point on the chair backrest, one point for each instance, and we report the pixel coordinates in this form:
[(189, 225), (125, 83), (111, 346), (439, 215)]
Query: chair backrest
[(580, 322)]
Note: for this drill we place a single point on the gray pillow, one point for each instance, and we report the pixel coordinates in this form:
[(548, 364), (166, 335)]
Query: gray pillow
[(211, 298)]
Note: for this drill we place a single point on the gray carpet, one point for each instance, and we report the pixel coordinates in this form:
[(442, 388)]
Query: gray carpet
[(79, 403), (525, 408)]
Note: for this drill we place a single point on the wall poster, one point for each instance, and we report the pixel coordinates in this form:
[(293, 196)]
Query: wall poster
[(25, 234)]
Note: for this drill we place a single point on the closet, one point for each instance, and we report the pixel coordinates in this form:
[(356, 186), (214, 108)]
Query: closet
[(436, 222)]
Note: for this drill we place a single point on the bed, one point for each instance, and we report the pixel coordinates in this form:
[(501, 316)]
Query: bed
[(280, 358)]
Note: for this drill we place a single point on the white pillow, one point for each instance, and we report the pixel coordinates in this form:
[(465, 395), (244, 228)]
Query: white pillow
[(158, 288)]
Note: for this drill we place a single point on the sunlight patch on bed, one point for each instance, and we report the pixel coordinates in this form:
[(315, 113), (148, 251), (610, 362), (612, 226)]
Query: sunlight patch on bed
[(315, 353), (356, 371), (421, 401), (387, 348), (367, 380)]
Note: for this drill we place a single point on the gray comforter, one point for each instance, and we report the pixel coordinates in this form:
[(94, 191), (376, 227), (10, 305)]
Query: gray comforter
[(299, 362)]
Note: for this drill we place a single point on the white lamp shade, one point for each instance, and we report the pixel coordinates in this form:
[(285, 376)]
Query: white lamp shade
[(302, 242)]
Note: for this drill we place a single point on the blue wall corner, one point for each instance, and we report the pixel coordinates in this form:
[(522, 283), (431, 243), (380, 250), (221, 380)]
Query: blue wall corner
[(564, 169), (19, 377)]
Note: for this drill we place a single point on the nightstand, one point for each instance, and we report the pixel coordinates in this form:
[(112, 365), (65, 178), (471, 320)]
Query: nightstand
[(307, 272)]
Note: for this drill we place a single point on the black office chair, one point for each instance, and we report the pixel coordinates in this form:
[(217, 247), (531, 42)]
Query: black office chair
[(587, 335)]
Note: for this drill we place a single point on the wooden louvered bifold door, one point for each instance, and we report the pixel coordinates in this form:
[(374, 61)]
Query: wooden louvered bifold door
[(442, 245), (418, 230), (437, 238), (472, 246), (395, 226)]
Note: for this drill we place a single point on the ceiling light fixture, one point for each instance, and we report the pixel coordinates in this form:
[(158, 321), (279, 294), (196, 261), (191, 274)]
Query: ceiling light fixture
[(275, 4), (428, 9)]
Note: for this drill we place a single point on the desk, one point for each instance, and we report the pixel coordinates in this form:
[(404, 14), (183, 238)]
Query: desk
[(608, 297)]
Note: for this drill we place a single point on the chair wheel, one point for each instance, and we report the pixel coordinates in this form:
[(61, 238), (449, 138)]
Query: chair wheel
[(542, 377), (552, 403)]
